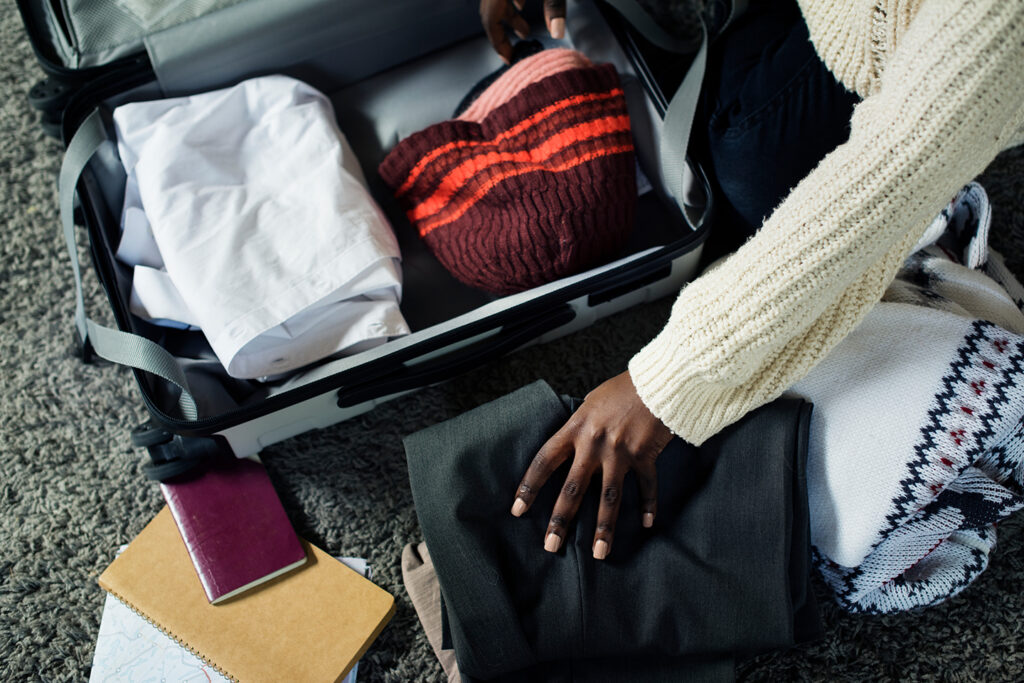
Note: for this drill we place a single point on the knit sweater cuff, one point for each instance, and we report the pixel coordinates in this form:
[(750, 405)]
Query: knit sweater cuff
[(693, 408)]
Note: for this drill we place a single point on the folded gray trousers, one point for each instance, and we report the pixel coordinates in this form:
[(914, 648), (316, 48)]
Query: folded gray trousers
[(724, 572)]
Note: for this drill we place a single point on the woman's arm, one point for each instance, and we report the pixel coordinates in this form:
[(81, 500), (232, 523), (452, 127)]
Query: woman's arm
[(949, 100)]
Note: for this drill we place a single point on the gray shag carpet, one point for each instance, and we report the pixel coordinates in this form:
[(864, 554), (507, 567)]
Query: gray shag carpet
[(72, 491)]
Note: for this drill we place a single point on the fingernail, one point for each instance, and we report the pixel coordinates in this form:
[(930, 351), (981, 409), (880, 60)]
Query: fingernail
[(558, 28), (601, 550), (648, 520), (552, 542), (518, 507)]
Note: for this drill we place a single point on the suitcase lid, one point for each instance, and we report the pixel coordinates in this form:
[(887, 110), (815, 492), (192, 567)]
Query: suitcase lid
[(79, 39), (86, 36), (193, 45)]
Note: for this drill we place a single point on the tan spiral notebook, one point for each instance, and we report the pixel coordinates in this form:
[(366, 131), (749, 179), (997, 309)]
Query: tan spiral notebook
[(312, 624)]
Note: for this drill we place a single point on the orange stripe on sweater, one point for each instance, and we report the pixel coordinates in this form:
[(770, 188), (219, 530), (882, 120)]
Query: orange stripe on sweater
[(532, 120), (430, 226), (465, 171)]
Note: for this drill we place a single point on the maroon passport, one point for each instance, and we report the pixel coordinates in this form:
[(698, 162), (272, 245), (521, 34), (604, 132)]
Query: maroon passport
[(234, 526)]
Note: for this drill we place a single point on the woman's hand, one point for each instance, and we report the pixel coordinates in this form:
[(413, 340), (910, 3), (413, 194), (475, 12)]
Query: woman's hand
[(496, 15), (613, 431)]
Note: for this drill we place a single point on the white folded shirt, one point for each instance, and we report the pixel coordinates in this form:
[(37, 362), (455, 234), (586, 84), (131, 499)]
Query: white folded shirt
[(246, 215)]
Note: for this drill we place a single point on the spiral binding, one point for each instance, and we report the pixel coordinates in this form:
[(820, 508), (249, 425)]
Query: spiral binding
[(176, 639)]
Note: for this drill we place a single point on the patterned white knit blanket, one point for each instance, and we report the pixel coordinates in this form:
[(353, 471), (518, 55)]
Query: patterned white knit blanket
[(917, 439)]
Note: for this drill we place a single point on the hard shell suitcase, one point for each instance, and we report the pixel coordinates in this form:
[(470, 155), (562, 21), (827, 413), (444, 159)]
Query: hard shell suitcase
[(375, 61)]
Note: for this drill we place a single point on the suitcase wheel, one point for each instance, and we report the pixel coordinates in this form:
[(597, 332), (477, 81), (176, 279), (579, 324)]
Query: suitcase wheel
[(49, 96), (148, 434)]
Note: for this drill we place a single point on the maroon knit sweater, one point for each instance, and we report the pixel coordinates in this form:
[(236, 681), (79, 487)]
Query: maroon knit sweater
[(542, 188)]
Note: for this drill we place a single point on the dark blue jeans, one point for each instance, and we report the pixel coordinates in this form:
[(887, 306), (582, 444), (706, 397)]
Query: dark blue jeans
[(770, 112)]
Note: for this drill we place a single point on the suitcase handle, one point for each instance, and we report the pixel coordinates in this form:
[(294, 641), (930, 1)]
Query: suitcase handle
[(416, 373)]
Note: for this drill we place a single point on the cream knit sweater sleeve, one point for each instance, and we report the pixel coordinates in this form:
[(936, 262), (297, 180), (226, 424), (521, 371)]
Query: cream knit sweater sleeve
[(951, 96)]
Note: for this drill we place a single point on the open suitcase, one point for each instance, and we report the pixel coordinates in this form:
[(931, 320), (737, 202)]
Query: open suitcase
[(372, 59)]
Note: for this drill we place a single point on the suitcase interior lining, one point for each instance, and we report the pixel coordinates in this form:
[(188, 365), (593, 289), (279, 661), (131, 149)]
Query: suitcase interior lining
[(374, 114)]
